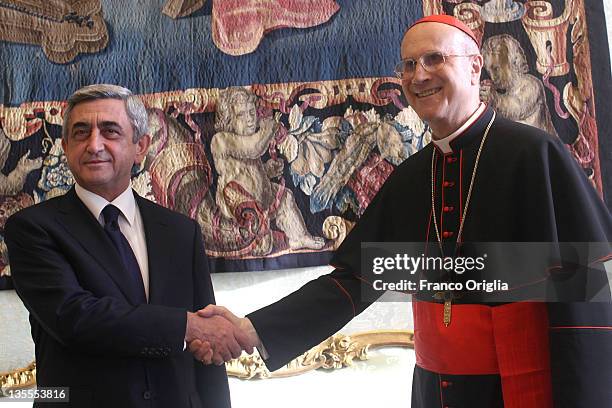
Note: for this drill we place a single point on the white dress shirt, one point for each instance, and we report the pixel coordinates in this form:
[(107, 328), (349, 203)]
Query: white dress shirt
[(130, 224), (444, 144)]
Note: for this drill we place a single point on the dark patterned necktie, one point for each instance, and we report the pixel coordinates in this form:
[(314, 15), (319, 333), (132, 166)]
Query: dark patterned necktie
[(111, 227)]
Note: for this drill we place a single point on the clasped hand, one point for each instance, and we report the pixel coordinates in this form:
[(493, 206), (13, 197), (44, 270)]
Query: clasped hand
[(215, 335)]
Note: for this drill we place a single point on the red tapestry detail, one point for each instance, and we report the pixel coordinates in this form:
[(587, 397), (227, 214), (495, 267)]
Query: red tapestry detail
[(239, 25), (369, 179)]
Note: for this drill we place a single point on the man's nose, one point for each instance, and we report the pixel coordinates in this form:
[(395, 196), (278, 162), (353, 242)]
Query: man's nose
[(95, 141), (420, 74)]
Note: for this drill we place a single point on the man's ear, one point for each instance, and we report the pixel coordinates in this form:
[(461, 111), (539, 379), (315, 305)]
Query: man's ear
[(476, 68), (142, 147)]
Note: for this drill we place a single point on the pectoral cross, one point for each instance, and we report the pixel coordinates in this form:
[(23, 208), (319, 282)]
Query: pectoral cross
[(448, 297)]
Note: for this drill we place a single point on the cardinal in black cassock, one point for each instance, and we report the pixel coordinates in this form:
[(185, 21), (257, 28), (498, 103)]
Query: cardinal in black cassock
[(519, 184)]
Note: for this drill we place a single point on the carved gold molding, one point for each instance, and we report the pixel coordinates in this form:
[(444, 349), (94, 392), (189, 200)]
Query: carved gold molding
[(336, 352), (22, 377)]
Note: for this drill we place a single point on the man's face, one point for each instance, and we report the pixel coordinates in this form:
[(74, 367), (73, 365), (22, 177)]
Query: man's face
[(99, 146), (244, 120), (444, 98)]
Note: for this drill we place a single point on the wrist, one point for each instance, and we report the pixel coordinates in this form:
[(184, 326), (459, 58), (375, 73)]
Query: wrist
[(189, 327)]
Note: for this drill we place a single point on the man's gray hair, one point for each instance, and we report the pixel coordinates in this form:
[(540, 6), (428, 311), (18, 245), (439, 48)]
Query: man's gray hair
[(227, 99), (136, 111)]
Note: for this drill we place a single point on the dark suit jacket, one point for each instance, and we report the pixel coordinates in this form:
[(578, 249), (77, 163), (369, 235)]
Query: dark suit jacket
[(88, 335)]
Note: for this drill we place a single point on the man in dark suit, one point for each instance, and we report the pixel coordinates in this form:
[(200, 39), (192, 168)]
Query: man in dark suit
[(111, 280)]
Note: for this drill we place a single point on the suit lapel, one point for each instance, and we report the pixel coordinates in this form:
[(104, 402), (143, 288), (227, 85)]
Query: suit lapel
[(79, 222), (159, 248)]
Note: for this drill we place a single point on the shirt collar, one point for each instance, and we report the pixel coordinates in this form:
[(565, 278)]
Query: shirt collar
[(444, 144), (125, 202)]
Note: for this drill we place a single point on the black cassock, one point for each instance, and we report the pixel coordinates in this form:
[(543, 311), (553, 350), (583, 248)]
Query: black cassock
[(527, 189)]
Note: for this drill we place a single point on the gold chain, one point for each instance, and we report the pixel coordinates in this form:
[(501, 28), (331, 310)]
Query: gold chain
[(469, 195)]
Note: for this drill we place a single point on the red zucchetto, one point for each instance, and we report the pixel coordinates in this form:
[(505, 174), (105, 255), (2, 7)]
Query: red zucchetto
[(448, 20)]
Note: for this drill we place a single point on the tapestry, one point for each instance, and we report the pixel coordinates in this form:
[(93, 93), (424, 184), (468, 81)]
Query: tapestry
[(275, 123)]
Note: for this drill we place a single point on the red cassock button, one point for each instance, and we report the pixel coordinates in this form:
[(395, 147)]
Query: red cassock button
[(446, 384), (448, 208), (451, 159), (448, 184), (447, 234)]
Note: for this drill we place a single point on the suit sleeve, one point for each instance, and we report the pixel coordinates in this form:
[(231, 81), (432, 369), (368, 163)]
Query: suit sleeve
[(207, 377), (50, 289)]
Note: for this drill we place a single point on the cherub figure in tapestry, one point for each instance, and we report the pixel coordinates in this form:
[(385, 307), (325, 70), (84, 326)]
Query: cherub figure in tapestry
[(245, 181), (513, 91)]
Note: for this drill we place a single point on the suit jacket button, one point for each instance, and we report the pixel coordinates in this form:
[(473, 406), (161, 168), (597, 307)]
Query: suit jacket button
[(147, 395)]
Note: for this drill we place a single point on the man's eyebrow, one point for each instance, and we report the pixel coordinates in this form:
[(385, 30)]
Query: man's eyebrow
[(110, 123), (81, 125), (106, 123)]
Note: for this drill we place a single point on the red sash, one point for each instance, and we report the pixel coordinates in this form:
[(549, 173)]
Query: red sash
[(510, 340)]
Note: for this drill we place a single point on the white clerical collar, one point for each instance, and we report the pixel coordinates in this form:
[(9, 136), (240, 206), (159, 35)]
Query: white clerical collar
[(95, 203), (444, 144)]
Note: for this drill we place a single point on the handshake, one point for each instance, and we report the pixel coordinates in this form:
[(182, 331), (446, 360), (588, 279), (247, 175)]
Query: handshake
[(215, 335)]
